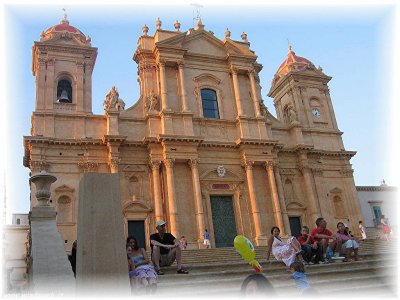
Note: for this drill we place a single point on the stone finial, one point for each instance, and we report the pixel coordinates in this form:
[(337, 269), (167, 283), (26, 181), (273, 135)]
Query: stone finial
[(290, 48), (227, 33), (88, 39), (158, 23), (65, 17), (199, 24), (177, 26), (43, 181), (145, 29), (244, 37), (42, 34)]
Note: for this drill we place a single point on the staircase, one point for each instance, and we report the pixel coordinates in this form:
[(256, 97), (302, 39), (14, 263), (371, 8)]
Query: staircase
[(221, 272)]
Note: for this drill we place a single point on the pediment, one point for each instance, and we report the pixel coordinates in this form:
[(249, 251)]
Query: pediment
[(64, 39), (233, 48), (136, 206), (64, 189), (198, 42), (336, 190), (207, 77), (294, 205), (135, 168), (213, 175)]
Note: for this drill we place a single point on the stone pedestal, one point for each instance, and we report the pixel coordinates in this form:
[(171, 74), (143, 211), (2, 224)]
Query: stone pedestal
[(102, 267), (51, 270)]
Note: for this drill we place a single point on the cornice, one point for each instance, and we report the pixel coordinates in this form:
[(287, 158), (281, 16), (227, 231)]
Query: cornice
[(65, 48), (372, 188), (257, 142), (310, 150), (162, 138), (54, 141), (215, 144)]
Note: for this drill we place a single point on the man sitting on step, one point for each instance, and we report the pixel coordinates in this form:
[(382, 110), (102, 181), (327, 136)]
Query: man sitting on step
[(323, 235), (165, 249)]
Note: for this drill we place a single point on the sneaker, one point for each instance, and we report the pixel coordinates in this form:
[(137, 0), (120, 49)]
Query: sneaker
[(182, 271), (338, 257), (159, 272), (326, 261)]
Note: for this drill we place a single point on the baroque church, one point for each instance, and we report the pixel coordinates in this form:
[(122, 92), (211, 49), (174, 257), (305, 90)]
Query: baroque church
[(198, 149)]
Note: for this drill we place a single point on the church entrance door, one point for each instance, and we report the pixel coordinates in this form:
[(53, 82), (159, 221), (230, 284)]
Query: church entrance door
[(136, 228), (295, 226), (223, 217)]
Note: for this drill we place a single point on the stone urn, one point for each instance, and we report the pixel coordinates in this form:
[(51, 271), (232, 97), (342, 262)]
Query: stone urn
[(43, 181)]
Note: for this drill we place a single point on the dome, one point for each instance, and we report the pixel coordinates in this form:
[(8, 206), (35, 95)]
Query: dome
[(292, 61), (64, 29)]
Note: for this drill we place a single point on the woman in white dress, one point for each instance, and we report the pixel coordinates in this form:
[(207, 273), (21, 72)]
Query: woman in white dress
[(362, 230), (286, 252)]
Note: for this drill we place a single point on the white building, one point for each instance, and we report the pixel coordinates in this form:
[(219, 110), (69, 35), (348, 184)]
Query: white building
[(376, 201)]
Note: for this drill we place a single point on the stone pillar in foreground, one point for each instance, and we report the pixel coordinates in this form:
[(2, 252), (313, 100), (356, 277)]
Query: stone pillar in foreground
[(51, 271), (101, 265)]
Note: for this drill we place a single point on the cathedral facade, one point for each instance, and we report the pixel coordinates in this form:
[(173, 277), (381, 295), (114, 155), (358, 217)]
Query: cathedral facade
[(199, 149)]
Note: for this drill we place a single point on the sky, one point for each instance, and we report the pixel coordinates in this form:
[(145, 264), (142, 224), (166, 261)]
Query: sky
[(354, 43)]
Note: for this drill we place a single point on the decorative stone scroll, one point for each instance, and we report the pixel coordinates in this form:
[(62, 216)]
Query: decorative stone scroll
[(221, 171), (248, 164), (346, 172), (88, 166), (38, 166)]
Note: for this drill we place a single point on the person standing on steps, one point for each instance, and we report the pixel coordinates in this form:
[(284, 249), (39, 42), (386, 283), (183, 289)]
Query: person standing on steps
[(206, 236)]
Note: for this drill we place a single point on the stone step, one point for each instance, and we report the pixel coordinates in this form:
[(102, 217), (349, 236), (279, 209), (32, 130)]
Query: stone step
[(277, 277), (284, 287), (270, 268)]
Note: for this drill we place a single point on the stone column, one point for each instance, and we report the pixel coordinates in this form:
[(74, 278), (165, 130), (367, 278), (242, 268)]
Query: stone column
[(193, 163), (255, 210), (269, 166), (256, 101), (163, 82), (172, 207), (237, 92), (314, 210), (183, 89), (158, 209), (281, 195)]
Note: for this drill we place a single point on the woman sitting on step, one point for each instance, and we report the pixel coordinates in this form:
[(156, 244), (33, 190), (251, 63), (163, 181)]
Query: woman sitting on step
[(286, 252), (348, 243), (140, 270)]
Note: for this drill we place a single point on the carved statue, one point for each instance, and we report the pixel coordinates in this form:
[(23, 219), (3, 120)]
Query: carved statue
[(263, 109), (152, 102), (113, 101), (292, 114)]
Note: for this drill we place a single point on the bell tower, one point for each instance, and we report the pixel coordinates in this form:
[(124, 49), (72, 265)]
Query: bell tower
[(301, 94), (62, 62)]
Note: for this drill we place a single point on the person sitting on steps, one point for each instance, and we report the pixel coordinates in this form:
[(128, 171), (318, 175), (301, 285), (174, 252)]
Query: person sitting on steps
[(165, 249), (348, 243)]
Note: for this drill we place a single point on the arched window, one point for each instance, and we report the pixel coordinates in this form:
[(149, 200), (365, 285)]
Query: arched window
[(209, 103), (64, 91)]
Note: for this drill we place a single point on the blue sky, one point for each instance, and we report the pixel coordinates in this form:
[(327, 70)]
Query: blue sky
[(353, 44)]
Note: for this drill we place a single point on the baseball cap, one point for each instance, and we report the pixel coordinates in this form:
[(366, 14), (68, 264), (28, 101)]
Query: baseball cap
[(160, 222)]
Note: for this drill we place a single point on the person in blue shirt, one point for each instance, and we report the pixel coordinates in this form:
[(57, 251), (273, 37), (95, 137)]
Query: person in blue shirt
[(206, 236), (298, 274)]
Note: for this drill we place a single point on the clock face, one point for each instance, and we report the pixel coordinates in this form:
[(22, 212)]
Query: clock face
[(316, 113)]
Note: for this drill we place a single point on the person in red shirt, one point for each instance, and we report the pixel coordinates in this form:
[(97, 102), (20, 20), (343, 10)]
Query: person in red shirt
[(312, 249), (323, 236)]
